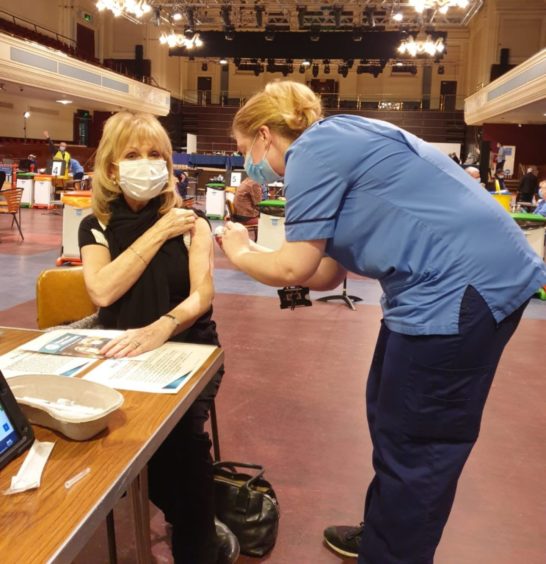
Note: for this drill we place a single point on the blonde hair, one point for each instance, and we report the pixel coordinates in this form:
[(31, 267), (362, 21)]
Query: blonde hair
[(120, 130), (286, 107)]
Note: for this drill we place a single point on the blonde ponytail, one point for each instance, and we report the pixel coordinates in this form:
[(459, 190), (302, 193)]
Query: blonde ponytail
[(286, 107)]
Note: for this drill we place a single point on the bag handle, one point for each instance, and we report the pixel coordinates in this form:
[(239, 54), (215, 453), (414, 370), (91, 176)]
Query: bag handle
[(234, 465), (243, 497)]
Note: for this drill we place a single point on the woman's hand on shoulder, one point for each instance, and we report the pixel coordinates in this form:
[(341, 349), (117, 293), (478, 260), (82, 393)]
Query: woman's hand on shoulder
[(176, 222)]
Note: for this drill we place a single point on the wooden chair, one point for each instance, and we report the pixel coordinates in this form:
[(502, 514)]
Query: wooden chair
[(251, 225), (12, 206), (61, 297)]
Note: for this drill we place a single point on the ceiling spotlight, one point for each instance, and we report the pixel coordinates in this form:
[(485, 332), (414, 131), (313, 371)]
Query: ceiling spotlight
[(337, 15), (26, 115), (398, 16), (370, 16), (225, 13), (223, 61), (229, 33), (64, 102), (269, 33), (302, 10), (442, 5), (176, 17), (357, 34), (190, 16), (306, 63), (422, 45), (259, 15)]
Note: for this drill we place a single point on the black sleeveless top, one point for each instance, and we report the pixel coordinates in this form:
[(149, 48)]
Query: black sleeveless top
[(163, 285)]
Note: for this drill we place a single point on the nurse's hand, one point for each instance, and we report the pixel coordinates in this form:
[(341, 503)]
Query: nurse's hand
[(235, 240)]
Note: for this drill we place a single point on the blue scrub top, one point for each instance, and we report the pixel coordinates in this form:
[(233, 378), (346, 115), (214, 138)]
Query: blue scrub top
[(394, 208)]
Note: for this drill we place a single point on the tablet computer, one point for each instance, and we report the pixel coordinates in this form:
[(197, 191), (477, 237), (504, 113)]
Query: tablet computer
[(15, 431)]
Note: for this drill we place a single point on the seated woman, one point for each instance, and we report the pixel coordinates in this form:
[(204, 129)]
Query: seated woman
[(150, 281)]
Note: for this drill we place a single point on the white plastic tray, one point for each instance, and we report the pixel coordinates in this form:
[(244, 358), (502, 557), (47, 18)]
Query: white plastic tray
[(76, 408)]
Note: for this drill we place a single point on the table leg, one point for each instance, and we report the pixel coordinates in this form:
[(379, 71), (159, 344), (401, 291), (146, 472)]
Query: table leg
[(138, 496), (111, 533)]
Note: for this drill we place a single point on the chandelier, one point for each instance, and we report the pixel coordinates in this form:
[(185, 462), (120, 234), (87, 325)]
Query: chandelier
[(422, 45), (178, 40), (135, 8), (441, 5)]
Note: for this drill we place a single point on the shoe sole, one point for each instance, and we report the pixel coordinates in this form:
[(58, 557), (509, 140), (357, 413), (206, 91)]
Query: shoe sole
[(339, 551)]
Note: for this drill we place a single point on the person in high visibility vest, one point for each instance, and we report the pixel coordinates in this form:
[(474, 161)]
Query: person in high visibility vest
[(59, 154)]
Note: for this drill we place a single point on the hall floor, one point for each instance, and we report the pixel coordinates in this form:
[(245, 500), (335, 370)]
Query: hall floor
[(293, 400)]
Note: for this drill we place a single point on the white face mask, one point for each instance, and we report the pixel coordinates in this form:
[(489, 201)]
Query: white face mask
[(143, 179)]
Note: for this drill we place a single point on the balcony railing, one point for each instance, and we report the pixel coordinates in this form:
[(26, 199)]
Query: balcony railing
[(384, 101)]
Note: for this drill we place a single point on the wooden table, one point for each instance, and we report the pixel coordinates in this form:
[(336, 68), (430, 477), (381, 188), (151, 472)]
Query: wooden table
[(52, 523)]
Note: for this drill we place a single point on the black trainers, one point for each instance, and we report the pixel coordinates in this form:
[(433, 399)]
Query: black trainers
[(344, 540)]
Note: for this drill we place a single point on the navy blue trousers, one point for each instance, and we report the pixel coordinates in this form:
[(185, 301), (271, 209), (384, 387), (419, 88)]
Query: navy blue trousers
[(425, 397)]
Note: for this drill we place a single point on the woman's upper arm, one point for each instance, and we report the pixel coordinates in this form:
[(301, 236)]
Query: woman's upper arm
[(200, 253), (94, 257)]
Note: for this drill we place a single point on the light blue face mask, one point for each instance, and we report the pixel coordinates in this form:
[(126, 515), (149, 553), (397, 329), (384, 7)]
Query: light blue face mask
[(261, 172)]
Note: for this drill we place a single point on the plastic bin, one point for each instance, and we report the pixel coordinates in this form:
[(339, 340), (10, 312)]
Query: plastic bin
[(215, 201), (77, 205), (25, 180), (534, 229), (44, 192), (272, 207)]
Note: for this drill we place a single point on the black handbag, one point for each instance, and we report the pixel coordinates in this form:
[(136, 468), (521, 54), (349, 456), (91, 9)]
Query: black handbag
[(247, 504)]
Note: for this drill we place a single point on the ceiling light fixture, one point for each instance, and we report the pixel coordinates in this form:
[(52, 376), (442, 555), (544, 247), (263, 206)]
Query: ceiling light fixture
[(223, 61), (441, 5), (64, 101), (178, 40), (136, 8), (422, 45)]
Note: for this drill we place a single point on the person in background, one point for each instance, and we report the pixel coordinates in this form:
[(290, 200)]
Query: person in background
[(528, 185), (500, 158), (247, 198), (28, 164), (454, 157), (59, 154), (541, 204), (150, 283), (182, 182), (498, 181), (450, 305)]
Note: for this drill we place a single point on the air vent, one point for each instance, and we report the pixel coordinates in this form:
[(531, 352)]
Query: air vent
[(46, 111)]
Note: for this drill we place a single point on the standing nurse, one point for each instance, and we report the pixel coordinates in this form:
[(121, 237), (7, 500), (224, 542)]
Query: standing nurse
[(367, 197)]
